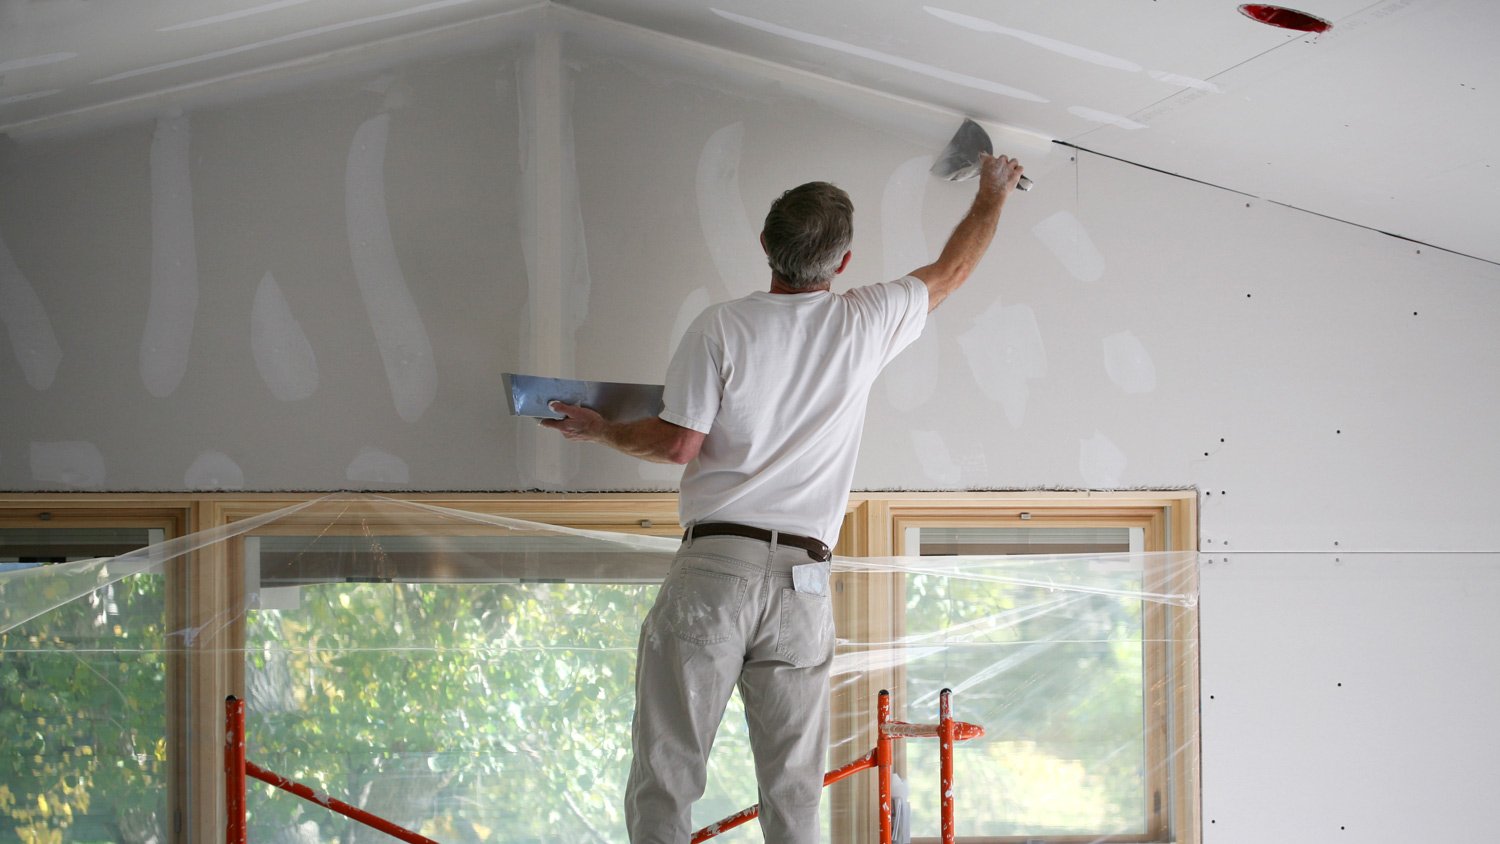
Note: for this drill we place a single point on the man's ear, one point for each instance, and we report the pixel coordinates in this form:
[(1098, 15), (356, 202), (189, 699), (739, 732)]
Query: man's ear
[(763, 243), (844, 263)]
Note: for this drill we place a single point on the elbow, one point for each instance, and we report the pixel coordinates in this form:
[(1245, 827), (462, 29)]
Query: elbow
[(683, 448)]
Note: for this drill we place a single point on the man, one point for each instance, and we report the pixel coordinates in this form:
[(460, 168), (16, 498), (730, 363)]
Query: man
[(765, 402)]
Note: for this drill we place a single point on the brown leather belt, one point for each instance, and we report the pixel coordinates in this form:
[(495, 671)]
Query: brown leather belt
[(814, 548)]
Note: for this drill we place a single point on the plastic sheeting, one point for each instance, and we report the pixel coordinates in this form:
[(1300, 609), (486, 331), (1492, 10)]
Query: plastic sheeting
[(471, 676)]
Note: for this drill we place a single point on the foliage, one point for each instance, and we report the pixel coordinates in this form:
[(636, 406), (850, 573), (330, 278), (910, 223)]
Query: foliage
[(1055, 677), (81, 693)]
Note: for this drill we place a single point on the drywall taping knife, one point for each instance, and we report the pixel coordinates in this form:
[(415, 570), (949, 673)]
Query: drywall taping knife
[(960, 159), (529, 395)]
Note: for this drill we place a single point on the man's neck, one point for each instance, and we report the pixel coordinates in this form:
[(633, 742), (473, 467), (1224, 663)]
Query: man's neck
[(777, 286)]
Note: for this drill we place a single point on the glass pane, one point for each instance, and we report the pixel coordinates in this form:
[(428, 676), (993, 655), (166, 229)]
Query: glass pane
[(25, 547), (1055, 678), (468, 711), (82, 693)]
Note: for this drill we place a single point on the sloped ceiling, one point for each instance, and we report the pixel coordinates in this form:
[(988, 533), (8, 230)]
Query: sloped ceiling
[(1390, 121)]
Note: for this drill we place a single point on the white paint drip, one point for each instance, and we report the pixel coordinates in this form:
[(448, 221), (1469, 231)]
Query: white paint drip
[(732, 241), (1128, 363), (1101, 463), (1184, 81), (1094, 115), (1004, 350), (399, 333), (213, 470), (168, 337), (885, 58), (283, 39), (1068, 241), (22, 98), (937, 461), (233, 16), (25, 319), (1062, 48), (35, 61), (283, 355), (911, 379), (373, 466), (69, 464)]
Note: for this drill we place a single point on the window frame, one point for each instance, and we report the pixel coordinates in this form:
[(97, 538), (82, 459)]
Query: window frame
[(204, 584)]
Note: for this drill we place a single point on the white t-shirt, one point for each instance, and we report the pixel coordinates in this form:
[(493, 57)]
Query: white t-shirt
[(779, 383)]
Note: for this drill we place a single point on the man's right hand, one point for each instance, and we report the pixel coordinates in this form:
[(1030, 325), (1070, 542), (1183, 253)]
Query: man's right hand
[(999, 172)]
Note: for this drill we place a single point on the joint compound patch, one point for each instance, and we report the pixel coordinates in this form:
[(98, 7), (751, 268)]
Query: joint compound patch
[(25, 319), (1128, 363), (166, 343), (400, 334), (283, 354), (214, 470), (69, 464), (373, 466), (1004, 350), (1067, 240), (1101, 462)]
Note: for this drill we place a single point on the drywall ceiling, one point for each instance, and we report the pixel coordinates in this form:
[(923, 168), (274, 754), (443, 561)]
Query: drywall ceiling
[(1391, 120)]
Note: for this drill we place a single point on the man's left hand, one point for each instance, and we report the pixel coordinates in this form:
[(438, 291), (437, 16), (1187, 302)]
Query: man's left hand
[(579, 423)]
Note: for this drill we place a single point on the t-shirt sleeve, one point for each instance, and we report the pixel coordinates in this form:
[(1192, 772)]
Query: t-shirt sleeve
[(694, 385), (898, 310)]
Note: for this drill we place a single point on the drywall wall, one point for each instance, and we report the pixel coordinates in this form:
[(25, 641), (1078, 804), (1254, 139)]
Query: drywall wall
[(315, 282), (316, 285)]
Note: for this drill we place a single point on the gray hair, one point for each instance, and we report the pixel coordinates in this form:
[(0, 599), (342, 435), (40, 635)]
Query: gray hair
[(807, 232)]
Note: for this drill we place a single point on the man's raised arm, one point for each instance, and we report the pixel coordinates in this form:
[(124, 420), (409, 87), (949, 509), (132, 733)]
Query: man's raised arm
[(653, 439), (967, 244)]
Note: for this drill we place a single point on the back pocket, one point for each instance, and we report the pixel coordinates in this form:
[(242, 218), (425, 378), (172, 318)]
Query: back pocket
[(805, 637), (700, 606)]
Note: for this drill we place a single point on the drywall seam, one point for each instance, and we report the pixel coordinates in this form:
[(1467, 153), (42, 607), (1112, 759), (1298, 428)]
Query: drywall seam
[(765, 68), (167, 341), (400, 335), (233, 16), (552, 245), (25, 319), (1042, 42), (1422, 243), (104, 109), (279, 39), (932, 71)]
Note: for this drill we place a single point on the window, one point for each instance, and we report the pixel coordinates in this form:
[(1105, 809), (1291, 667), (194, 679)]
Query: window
[(82, 684), (472, 674)]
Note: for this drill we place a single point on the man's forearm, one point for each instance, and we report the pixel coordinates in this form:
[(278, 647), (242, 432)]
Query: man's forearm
[(643, 438), (652, 438), (972, 237)]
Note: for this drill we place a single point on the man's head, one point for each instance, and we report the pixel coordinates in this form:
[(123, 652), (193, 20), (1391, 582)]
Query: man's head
[(807, 235)]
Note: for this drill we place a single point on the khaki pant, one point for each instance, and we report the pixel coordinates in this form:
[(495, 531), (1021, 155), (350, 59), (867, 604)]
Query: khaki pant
[(728, 613)]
